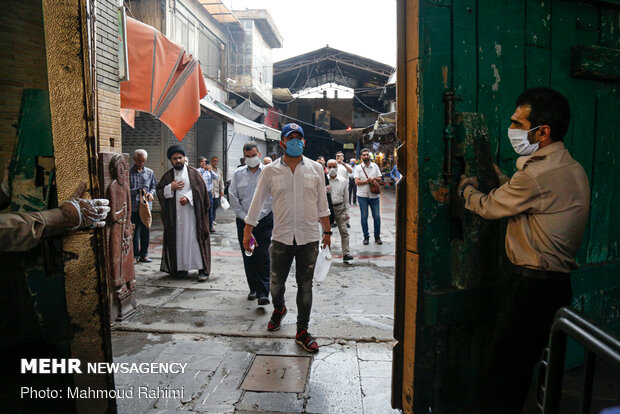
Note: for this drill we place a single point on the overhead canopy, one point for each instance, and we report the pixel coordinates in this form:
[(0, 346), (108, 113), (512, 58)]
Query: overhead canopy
[(163, 80), (219, 11), (241, 125), (329, 65), (271, 133), (385, 124), (249, 110)]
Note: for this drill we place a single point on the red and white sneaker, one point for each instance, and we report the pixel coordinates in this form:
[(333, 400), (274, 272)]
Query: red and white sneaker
[(276, 319), (307, 341)]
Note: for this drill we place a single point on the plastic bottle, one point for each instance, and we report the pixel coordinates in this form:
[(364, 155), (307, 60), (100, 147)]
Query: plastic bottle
[(252, 244)]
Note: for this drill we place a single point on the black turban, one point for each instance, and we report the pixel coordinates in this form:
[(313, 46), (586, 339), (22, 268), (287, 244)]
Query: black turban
[(174, 149)]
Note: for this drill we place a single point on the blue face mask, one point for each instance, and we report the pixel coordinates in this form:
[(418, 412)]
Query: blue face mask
[(294, 147)]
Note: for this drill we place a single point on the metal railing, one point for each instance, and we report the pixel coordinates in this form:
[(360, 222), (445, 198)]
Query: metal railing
[(599, 344)]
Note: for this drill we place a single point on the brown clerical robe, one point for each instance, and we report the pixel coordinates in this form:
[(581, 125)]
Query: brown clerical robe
[(201, 206)]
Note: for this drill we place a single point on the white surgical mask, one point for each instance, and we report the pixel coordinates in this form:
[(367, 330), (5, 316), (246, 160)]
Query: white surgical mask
[(252, 162), (333, 172), (519, 141)]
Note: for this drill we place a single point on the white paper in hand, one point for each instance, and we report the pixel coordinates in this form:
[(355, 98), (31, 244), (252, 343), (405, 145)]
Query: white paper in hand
[(224, 203), (323, 262)]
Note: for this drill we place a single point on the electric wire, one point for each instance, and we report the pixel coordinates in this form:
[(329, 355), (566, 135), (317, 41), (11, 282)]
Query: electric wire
[(355, 96)]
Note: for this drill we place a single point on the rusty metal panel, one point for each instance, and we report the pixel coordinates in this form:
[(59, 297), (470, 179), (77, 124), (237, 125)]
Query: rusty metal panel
[(277, 373)]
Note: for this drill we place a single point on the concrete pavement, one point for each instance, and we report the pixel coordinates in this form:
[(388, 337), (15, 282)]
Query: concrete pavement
[(217, 331)]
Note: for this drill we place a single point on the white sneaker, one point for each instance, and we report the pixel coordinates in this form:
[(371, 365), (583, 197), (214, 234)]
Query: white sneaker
[(215, 223)]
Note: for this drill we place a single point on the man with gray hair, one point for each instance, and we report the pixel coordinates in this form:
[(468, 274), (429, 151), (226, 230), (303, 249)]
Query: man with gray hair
[(241, 192), (338, 189), (141, 180)]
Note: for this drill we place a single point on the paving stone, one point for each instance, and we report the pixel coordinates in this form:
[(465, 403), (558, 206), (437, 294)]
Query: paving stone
[(329, 393), (202, 347), (375, 351), (271, 401), (376, 395), (375, 369), (222, 391), (155, 295)]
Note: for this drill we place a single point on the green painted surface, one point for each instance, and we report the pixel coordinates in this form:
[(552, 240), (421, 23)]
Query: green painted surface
[(491, 50), (595, 62), (36, 281), (34, 138)]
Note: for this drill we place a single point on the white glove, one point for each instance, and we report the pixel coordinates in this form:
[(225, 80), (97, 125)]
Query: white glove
[(85, 212)]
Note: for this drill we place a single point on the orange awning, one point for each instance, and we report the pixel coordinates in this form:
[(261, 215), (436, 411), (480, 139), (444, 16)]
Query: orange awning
[(163, 80)]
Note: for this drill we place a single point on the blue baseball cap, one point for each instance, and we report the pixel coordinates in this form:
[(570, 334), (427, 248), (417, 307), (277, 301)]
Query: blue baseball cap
[(289, 128)]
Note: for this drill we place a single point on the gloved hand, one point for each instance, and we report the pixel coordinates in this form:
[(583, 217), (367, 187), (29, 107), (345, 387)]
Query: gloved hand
[(466, 181), (81, 212)]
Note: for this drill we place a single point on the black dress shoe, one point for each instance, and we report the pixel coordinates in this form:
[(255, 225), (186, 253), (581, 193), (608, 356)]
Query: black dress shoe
[(378, 240), (202, 276), (347, 257), (263, 301), (366, 240), (251, 295), (211, 230), (145, 259)]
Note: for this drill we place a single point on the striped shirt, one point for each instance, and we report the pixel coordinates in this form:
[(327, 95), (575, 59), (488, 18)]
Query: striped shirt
[(208, 176), (138, 180)]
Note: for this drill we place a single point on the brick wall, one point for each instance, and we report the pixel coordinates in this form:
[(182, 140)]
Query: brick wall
[(109, 119), (108, 86), (22, 64), (107, 47)]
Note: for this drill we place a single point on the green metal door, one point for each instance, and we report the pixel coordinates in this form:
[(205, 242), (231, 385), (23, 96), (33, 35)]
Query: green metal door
[(488, 52)]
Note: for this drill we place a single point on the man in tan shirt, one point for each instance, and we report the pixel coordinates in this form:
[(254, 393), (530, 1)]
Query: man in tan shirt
[(547, 201)]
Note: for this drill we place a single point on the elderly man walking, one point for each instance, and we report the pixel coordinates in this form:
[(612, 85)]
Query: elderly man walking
[(297, 185), (241, 191), (141, 180), (218, 187), (209, 176), (338, 190), (184, 209)]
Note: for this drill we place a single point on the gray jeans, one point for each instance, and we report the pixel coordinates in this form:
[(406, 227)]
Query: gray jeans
[(281, 259), (340, 211)]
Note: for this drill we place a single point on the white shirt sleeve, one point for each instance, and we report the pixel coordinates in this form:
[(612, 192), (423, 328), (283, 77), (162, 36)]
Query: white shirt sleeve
[(260, 195), (377, 171), (322, 192), (168, 193), (190, 197)]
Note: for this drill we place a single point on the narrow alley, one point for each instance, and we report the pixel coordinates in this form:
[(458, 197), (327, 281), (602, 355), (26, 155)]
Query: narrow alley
[(214, 328)]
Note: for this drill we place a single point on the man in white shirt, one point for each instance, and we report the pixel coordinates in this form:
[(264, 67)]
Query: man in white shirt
[(241, 191), (364, 174), (297, 185), (338, 189)]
